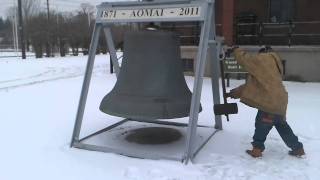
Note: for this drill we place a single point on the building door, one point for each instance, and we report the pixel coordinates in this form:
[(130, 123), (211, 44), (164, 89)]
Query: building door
[(281, 10)]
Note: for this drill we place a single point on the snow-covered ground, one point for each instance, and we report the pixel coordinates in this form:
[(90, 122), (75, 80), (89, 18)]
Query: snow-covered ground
[(38, 103)]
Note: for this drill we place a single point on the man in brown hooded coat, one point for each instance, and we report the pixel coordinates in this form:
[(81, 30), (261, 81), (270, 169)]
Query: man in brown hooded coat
[(264, 90)]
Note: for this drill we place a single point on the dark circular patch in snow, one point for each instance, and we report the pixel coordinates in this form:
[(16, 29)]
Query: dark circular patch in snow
[(153, 135)]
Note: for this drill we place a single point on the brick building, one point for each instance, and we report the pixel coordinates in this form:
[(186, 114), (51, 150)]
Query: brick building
[(269, 21), (292, 27)]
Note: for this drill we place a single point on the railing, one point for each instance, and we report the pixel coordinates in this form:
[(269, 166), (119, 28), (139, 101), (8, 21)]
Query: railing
[(6, 47), (287, 33), (189, 32)]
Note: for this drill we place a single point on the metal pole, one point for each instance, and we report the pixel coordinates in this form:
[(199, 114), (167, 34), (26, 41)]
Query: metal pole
[(48, 15), (48, 48), (291, 26), (89, 20), (86, 83), (214, 63), (260, 33), (228, 79), (13, 33), (58, 38), (21, 30), (16, 31), (111, 65)]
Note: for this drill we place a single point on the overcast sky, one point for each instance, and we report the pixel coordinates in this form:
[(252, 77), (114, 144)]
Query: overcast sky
[(61, 5)]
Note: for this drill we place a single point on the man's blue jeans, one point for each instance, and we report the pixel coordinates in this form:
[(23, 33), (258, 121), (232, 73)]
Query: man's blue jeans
[(264, 123)]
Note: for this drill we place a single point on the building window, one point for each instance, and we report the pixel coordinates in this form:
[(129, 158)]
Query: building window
[(187, 65), (281, 10)]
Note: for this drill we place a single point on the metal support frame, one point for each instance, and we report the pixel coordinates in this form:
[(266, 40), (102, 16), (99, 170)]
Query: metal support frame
[(207, 42), (150, 155)]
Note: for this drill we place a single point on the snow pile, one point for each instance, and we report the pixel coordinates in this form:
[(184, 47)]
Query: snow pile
[(38, 103)]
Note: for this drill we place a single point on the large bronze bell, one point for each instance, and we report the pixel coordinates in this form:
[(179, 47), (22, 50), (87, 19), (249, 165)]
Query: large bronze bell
[(151, 83)]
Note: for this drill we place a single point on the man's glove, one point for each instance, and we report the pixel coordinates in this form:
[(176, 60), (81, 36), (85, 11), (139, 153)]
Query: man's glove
[(236, 92)]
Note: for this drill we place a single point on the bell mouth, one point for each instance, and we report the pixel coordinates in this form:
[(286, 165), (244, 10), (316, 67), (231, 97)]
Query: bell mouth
[(153, 135), (139, 107)]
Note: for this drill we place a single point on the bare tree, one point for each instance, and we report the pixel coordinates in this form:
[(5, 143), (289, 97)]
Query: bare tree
[(62, 35), (6, 37), (85, 16), (12, 18), (37, 33), (87, 9), (30, 8), (66, 30)]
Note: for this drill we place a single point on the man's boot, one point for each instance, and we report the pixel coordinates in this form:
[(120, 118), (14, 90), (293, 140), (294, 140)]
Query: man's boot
[(298, 152), (255, 152)]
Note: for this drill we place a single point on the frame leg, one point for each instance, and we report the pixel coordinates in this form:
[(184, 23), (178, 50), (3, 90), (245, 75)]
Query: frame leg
[(112, 50), (86, 83), (197, 87)]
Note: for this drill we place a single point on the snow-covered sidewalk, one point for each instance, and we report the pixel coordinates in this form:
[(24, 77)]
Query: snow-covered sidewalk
[(38, 103)]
